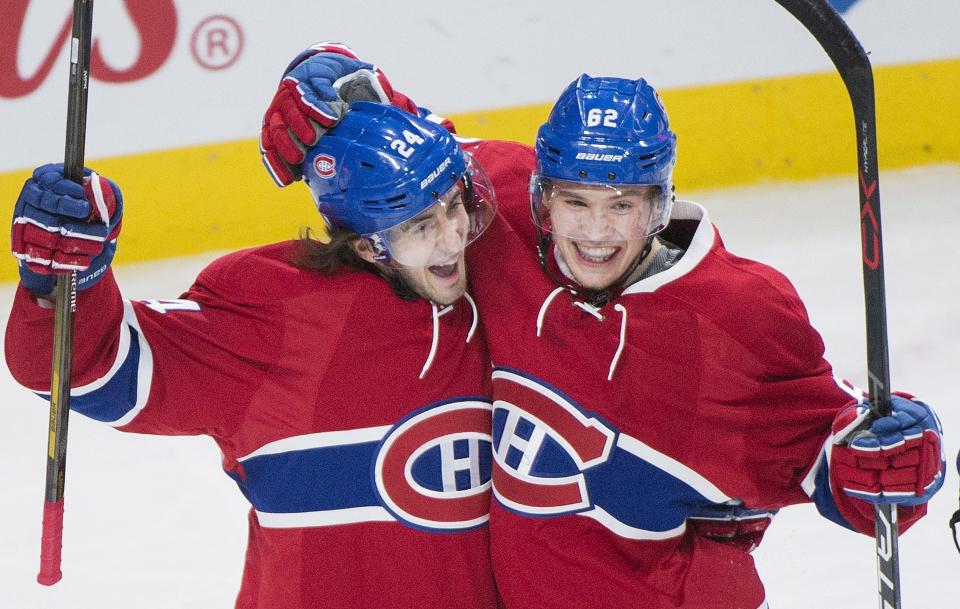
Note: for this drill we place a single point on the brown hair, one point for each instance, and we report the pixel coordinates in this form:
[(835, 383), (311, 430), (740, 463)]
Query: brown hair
[(331, 256), (337, 254)]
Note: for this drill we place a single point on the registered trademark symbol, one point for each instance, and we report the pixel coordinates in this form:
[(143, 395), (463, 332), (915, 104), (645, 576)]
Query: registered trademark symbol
[(217, 42)]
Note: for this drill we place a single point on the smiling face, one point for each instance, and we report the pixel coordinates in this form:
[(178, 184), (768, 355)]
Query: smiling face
[(430, 249), (600, 231)]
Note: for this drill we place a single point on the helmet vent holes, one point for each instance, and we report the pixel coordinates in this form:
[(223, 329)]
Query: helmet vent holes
[(648, 160), (366, 165), (396, 202), (611, 176), (582, 174)]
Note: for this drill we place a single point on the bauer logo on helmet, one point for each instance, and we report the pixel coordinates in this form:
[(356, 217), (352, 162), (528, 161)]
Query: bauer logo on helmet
[(427, 181), (596, 156)]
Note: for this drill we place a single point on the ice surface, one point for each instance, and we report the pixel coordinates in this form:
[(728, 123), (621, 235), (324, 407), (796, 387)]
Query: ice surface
[(153, 523)]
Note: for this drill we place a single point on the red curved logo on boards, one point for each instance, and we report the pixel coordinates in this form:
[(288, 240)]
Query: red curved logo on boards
[(155, 21)]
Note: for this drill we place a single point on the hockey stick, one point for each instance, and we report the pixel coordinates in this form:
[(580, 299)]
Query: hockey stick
[(65, 292), (851, 61)]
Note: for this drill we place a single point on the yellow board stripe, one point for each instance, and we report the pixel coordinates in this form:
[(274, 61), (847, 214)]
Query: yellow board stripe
[(793, 128), (218, 196)]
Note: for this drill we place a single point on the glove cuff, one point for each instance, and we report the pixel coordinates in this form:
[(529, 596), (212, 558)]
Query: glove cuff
[(39, 284)]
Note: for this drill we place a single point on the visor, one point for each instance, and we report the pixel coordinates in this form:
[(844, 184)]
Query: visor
[(439, 233), (600, 212)]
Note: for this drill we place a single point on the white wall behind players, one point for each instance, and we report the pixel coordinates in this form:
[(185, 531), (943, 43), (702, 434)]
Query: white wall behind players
[(451, 56)]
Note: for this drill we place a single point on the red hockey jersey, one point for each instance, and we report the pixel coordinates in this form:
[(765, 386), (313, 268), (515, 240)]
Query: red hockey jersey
[(356, 423), (701, 393)]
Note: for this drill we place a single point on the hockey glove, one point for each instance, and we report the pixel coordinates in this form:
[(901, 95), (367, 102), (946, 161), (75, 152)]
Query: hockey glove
[(894, 459), (732, 525), (60, 226), (312, 97)]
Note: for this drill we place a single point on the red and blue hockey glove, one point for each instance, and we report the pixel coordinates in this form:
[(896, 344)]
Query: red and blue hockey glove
[(316, 88), (60, 226), (731, 524), (894, 459)]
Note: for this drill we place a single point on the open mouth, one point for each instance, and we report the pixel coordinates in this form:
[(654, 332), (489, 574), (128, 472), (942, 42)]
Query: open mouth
[(593, 254), (444, 271)]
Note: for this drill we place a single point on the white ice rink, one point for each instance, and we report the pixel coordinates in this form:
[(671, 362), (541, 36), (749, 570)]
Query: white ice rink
[(153, 523)]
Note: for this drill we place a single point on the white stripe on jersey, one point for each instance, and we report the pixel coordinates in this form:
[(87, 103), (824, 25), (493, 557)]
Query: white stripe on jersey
[(320, 440), (629, 532), (325, 518), (144, 365)]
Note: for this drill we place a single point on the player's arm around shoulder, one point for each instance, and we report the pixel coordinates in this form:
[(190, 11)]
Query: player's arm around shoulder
[(314, 93), (509, 165)]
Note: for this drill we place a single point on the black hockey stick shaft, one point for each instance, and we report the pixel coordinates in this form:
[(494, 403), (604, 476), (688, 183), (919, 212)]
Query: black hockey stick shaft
[(851, 61), (65, 295)]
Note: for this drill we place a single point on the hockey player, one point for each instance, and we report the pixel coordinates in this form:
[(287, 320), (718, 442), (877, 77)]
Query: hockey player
[(346, 383), (657, 399)]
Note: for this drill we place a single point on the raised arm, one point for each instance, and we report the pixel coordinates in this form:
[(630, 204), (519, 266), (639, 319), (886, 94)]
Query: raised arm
[(314, 92), (180, 366)]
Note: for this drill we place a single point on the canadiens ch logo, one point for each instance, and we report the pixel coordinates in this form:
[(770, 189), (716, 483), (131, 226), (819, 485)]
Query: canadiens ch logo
[(325, 165), (553, 457), (432, 470), (429, 471), (543, 443)]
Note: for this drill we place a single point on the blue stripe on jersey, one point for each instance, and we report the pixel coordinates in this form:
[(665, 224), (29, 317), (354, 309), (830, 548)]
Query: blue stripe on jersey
[(641, 495), (317, 479), (118, 395), (430, 471)]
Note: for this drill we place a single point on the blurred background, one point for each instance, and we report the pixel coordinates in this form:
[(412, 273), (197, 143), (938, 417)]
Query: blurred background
[(766, 142), (178, 90)]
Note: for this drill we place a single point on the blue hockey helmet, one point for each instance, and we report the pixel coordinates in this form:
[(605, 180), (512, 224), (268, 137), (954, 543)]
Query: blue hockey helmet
[(399, 181), (612, 133)]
